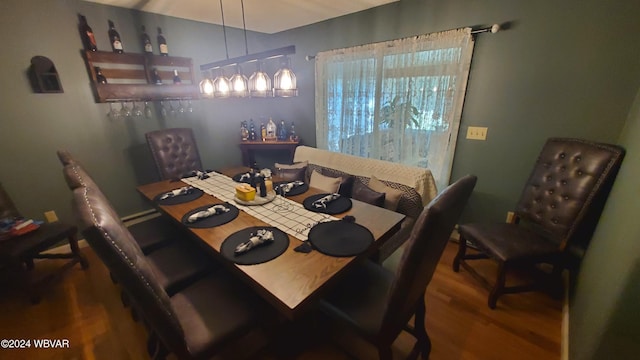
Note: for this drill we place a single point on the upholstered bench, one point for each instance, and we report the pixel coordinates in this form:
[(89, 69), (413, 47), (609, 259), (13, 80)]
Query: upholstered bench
[(416, 184)]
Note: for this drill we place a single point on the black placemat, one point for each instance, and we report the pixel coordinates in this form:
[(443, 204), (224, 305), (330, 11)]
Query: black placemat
[(340, 238), (236, 177), (213, 220), (337, 206), (257, 255), (297, 190), (180, 199)]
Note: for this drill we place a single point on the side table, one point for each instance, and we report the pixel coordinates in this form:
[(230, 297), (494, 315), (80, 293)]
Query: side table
[(249, 147)]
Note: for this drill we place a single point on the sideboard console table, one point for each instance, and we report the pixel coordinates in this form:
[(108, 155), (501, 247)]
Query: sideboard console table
[(248, 149)]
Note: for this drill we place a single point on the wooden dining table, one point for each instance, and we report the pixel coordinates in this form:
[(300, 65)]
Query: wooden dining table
[(294, 280)]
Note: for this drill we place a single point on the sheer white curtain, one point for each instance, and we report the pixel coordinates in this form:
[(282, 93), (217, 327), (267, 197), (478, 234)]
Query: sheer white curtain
[(397, 100)]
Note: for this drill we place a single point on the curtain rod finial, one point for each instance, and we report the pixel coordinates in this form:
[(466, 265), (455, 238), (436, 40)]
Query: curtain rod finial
[(495, 28)]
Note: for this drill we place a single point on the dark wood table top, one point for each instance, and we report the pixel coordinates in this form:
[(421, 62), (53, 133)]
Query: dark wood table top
[(293, 280)]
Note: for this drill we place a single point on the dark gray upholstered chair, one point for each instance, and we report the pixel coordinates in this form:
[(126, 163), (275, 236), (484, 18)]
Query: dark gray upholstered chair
[(175, 152), (17, 253), (194, 322), (555, 216), (379, 304), (175, 260)]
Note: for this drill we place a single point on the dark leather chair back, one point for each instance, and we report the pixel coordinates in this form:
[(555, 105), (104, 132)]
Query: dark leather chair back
[(65, 157), (76, 176), (424, 247), (568, 187), (7, 207), (115, 246), (174, 151)]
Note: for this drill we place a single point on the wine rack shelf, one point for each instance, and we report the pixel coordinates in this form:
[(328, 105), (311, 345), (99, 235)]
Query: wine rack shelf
[(129, 77)]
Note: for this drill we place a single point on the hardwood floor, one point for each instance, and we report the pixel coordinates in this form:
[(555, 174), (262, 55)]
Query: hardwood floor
[(84, 307)]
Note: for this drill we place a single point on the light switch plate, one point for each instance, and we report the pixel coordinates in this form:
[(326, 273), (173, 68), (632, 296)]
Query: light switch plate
[(477, 133)]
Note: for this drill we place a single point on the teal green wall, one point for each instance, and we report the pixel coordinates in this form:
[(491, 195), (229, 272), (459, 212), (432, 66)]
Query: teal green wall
[(563, 69), (33, 126), (605, 308)]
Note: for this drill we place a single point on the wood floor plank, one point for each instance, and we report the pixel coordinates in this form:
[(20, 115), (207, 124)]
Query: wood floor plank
[(85, 308)]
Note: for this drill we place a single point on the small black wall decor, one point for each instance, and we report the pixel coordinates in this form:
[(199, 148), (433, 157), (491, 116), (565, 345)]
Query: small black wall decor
[(44, 76)]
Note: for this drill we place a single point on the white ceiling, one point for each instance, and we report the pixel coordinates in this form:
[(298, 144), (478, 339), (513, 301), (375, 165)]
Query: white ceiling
[(267, 16)]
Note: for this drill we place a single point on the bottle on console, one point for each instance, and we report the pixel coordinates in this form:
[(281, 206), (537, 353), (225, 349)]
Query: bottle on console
[(162, 44), (282, 131), (114, 37), (263, 132), (252, 131)]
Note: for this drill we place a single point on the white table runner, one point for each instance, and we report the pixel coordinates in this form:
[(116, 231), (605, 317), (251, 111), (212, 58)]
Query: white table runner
[(287, 215)]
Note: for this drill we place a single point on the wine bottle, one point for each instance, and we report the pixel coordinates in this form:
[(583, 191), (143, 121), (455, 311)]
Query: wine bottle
[(155, 77), (252, 130), (86, 33), (146, 42), (292, 133), (162, 44), (263, 132), (282, 131), (271, 130), (114, 36), (100, 78), (176, 77)]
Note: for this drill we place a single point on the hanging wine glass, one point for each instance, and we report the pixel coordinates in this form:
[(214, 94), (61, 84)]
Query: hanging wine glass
[(148, 113), (189, 106), (163, 110), (136, 110), (113, 114), (125, 112), (180, 108), (172, 110)]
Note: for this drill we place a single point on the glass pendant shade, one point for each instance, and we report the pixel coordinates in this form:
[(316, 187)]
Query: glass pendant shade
[(260, 83), (284, 81), (221, 86), (206, 86), (239, 84)]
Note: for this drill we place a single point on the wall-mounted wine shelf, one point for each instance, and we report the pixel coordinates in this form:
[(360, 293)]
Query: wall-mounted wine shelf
[(129, 76)]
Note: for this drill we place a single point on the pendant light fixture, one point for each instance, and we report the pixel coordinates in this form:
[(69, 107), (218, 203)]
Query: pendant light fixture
[(284, 81), (206, 86), (259, 83)]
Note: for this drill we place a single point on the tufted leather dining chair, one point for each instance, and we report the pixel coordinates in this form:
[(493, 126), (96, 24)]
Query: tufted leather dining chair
[(149, 234), (193, 323), (377, 303), (554, 219), (174, 151)]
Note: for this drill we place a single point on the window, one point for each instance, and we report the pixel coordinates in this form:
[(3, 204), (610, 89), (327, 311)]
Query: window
[(398, 100)]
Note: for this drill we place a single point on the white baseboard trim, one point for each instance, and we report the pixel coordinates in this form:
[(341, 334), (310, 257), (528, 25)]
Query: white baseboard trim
[(127, 220)]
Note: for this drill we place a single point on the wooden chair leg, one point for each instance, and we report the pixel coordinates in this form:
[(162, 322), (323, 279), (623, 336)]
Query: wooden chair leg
[(424, 343), (498, 287), (462, 250), (73, 244)]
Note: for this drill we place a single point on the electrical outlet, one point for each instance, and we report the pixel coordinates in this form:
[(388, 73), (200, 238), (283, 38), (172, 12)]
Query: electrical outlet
[(51, 216), (477, 133)]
